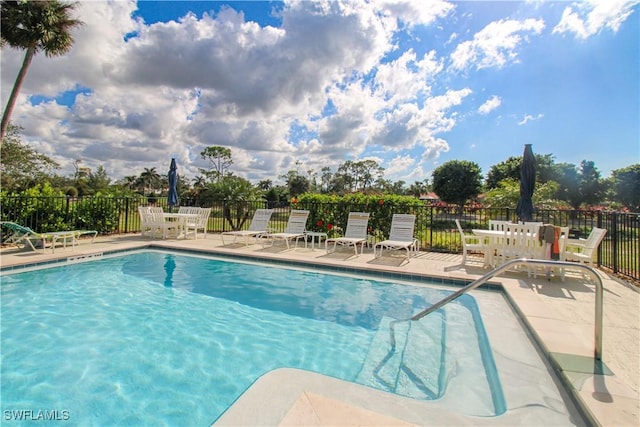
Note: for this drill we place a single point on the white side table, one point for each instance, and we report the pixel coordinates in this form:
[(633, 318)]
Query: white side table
[(315, 236), (371, 240)]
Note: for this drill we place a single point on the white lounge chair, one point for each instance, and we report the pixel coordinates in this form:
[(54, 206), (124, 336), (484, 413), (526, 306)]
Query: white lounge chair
[(355, 234), (470, 243), (259, 225), (295, 228), (400, 236)]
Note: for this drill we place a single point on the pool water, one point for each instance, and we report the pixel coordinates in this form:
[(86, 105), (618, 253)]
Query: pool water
[(152, 338)]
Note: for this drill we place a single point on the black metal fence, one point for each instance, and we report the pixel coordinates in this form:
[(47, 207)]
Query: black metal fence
[(435, 225)]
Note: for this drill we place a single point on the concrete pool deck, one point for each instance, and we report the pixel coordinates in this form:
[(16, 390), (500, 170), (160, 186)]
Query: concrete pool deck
[(560, 316)]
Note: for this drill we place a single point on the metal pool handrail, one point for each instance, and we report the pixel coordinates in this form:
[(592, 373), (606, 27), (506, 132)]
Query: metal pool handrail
[(502, 268)]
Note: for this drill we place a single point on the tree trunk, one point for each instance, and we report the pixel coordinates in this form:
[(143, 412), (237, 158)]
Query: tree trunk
[(237, 217), (6, 116)]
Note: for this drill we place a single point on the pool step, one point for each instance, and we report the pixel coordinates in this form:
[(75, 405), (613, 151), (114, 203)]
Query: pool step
[(417, 366), (381, 365), (423, 370)]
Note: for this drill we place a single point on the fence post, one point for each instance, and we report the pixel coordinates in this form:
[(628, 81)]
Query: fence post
[(430, 226), (66, 210), (126, 214), (224, 223), (599, 225), (614, 240)]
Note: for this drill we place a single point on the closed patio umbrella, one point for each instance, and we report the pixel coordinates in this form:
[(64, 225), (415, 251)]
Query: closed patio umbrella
[(173, 184), (524, 210)]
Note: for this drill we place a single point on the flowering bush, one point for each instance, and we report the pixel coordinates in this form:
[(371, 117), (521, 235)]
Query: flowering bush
[(326, 227), (331, 210)]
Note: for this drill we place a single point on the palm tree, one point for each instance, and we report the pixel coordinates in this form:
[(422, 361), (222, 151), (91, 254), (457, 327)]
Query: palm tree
[(199, 181), (150, 178), (129, 181), (265, 185), (34, 26)]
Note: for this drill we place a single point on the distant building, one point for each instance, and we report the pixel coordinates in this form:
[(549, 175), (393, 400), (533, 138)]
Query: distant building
[(430, 197)]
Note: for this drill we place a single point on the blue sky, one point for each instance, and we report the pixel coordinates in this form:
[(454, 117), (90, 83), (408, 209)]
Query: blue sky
[(306, 85)]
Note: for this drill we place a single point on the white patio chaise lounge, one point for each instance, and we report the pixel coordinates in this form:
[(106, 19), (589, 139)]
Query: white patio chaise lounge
[(19, 234), (259, 225), (355, 234), (400, 236), (295, 228)]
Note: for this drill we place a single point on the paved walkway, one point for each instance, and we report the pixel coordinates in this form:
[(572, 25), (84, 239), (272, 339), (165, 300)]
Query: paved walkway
[(560, 315)]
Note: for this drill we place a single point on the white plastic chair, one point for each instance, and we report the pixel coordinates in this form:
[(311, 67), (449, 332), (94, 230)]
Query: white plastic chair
[(499, 225), (470, 243), (534, 247), (562, 246), (199, 223), (158, 224), (400, 236), (516, 244), (534, 224), (189, 210), (585, 252), (546, 253), (146, 226)]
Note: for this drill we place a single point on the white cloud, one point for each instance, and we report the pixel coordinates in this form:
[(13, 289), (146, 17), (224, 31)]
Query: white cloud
[(180, 86), (434, 115), (339, 70), (490, 105), (495, 45), (401, 165), (529, 118), (412, 13), (406, 78), (590, 17)]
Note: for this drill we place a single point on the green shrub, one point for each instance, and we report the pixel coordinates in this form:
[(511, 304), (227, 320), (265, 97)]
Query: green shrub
[(101, 214), (41, 206), (330, 212)]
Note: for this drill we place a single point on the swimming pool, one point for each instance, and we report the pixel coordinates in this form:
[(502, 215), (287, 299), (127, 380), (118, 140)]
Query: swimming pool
[(155, 338)]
